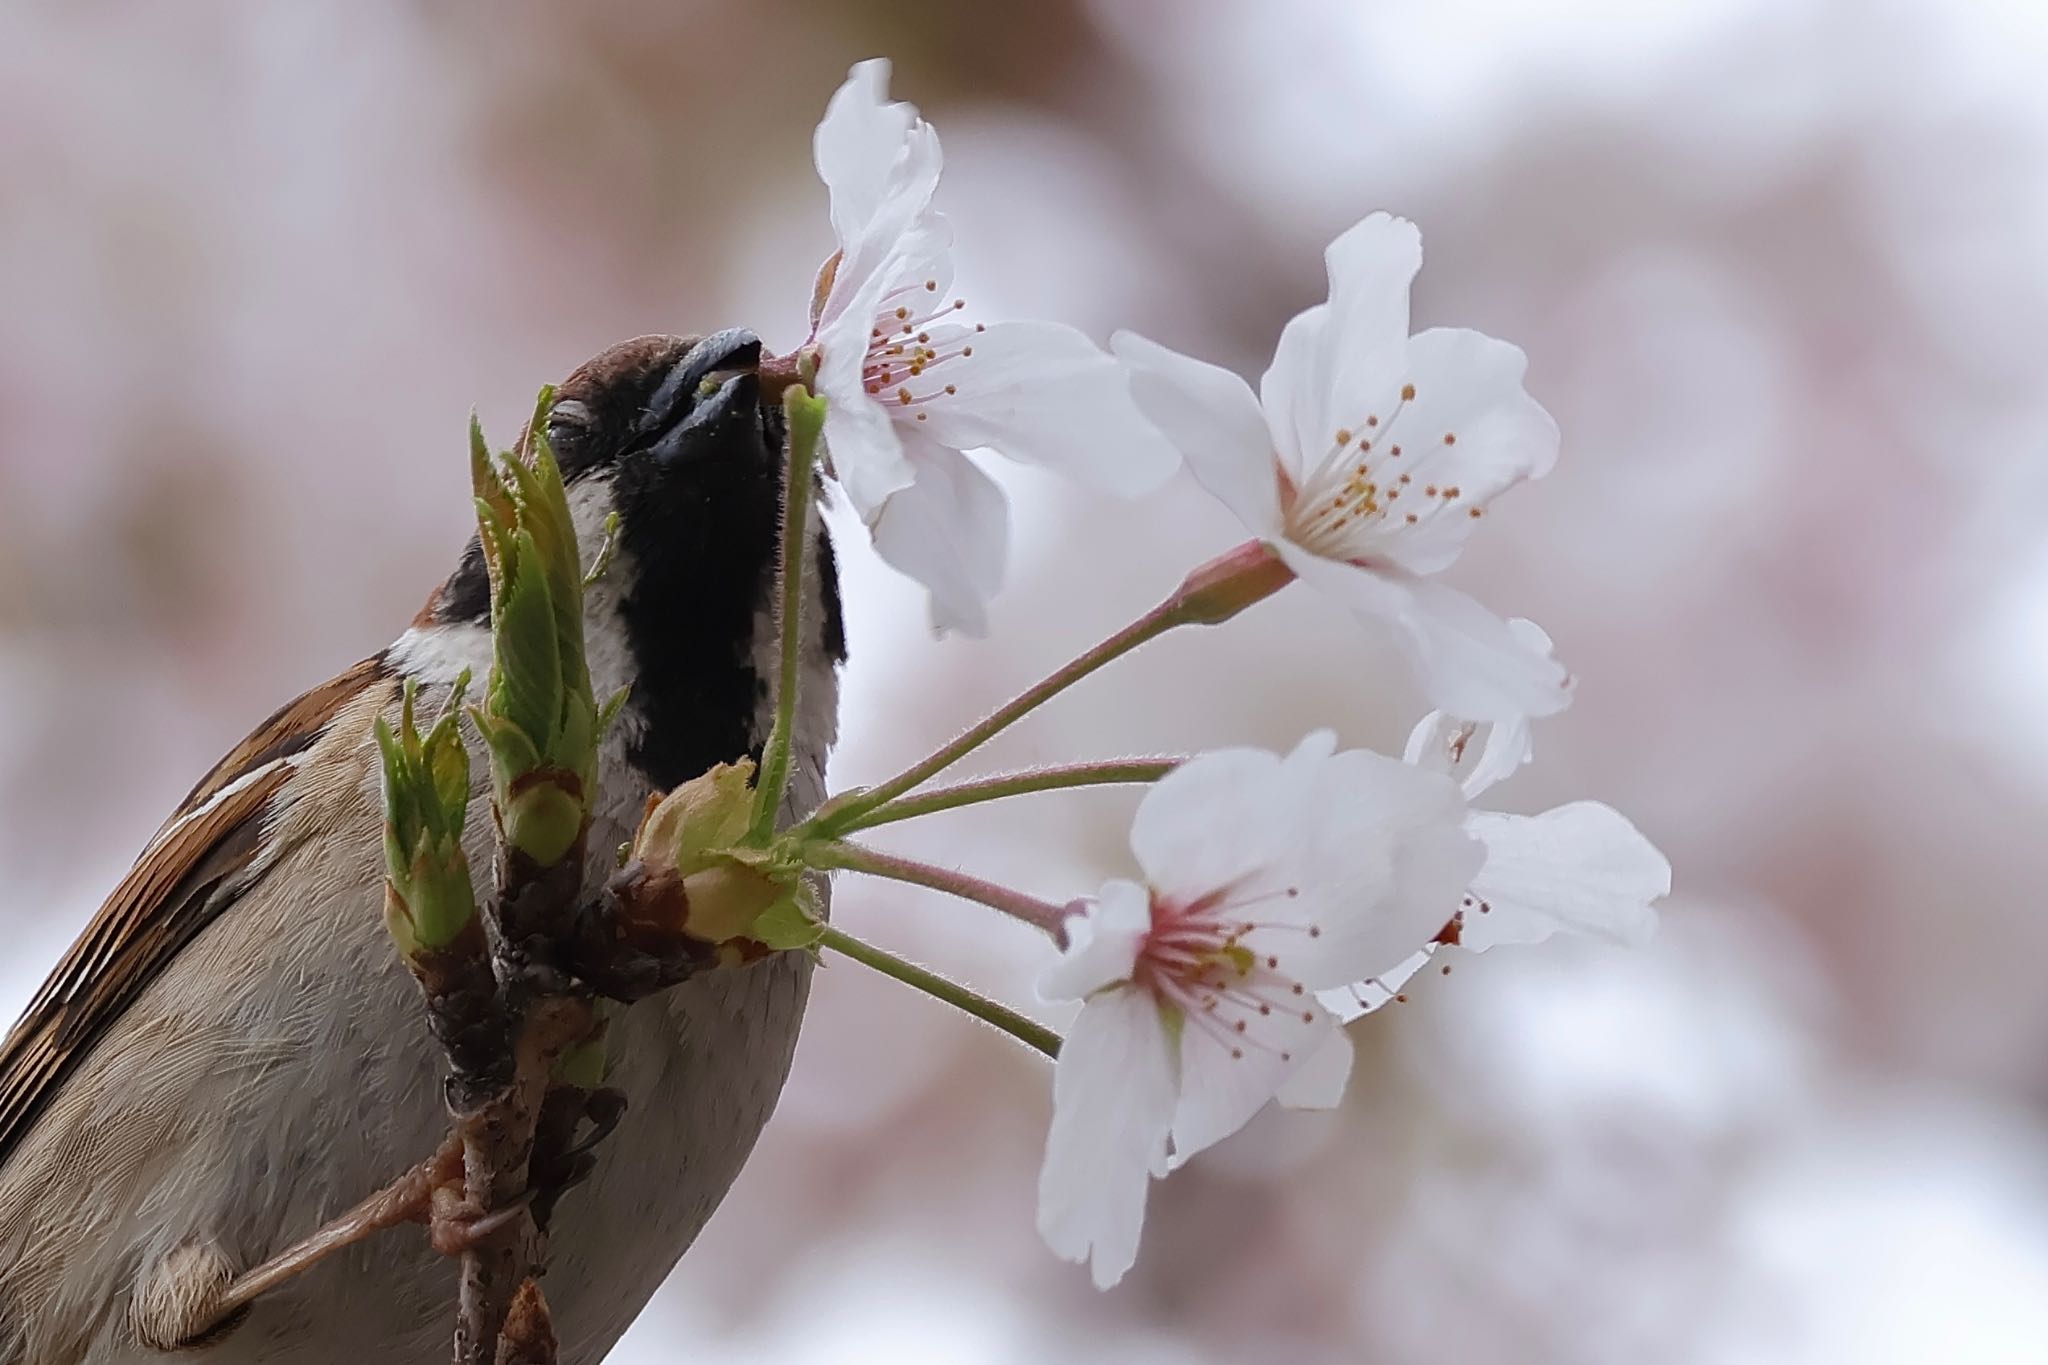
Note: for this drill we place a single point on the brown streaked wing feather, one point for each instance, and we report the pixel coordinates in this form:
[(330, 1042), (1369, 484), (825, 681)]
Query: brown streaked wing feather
[(163, 902)]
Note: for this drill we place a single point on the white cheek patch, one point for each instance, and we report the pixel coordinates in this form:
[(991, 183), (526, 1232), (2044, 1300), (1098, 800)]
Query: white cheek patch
[(604, 634), (439, 653)]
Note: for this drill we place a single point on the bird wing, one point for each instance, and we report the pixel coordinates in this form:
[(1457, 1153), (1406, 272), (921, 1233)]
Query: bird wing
[(191, 871)]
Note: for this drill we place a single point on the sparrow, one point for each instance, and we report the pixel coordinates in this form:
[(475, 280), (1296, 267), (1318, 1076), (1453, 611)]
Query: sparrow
[(233, 1053)]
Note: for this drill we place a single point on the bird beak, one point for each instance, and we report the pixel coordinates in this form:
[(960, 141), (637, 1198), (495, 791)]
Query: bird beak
[(705, 371), (711, 395)]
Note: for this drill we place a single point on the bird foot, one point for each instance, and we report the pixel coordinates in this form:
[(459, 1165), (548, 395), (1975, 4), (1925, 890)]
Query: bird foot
[(560, 1162), (456, 1227)]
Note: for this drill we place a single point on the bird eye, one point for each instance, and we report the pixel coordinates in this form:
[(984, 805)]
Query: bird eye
[(569, 421)]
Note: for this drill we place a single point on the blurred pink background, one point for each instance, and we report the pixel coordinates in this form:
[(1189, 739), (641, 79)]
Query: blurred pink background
[(1779, 269)]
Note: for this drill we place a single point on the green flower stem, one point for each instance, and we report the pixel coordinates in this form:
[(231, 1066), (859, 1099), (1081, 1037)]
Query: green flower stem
[(1100, 774), (931, 983), (806, 421), (837, 854), (1210, 595)]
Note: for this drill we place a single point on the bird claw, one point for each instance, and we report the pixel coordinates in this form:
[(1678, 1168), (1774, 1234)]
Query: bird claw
[(558, 1165), (455, 1227), (604, 1108)]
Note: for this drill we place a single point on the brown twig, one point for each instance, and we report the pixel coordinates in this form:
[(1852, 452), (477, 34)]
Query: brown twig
[(529, 1331), (534, 911), (467, 1016), (497, 1147)]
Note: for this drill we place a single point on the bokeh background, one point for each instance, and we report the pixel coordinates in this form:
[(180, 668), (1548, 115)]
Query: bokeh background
[(1779, 266)]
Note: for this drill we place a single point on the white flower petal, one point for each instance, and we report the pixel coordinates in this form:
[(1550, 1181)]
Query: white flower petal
[(1443, 743), (867, 456), (1042, 393), (1229, 1073), (1216, 822), (949, 530), (857, 143), (881, 164), (1371, 266), (860, 148), (1581, 867), (1506, 748), (1294, 391), (1212, 419), (922, 263), (1102, 944), (1472, 428), (1466, 660), (1362, 998), (1300, 768), (1532, 635), (1113, 1098), (1386, 862), (1471, 664), (896, 251), (1438, 742), (1338, 361), (1319, 1083)]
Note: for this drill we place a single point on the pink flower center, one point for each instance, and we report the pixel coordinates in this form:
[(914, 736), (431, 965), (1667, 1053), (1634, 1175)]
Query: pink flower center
[(1218, 963), (901, 353)]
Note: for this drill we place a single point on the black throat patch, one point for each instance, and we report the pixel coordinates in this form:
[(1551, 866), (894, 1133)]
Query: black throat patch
[(695, 463), (699, 543)]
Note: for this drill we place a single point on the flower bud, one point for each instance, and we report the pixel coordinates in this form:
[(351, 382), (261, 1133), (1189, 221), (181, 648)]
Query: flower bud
[(705, 814), (538, 717), (428, 898), (686, 873), (727, 900)]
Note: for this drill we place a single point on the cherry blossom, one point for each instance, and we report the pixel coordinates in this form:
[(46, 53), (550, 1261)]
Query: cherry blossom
[(1581, 867), (913, 381), (1266, 879), (1368, 457)]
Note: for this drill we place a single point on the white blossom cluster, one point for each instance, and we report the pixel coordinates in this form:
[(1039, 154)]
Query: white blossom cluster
[(1277, 897)]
